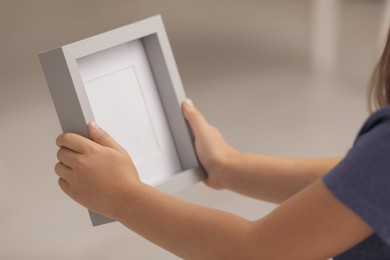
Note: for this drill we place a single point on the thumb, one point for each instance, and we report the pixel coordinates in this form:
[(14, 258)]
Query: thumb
[(101, 137), (194, 117)]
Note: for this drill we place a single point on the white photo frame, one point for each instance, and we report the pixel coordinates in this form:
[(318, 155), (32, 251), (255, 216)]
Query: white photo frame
[(124, 78)]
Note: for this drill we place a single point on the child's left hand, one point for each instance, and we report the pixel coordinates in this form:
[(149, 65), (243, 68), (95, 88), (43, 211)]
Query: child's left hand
[(98, 173)]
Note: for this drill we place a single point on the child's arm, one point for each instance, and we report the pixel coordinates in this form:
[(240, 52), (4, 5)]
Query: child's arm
[(100, 175), (274, 179), (263, 177)]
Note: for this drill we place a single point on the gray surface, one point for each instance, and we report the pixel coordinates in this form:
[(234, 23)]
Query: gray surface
[(244, 63), (63, 93)]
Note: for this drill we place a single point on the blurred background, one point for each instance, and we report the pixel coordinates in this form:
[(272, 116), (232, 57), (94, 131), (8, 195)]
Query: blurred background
[(279, 77)]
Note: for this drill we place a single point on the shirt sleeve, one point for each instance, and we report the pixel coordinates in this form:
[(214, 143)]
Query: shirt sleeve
[(362, 180)]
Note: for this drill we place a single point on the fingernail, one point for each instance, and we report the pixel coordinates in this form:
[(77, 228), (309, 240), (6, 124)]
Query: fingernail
[(94, 126), (189, 103)]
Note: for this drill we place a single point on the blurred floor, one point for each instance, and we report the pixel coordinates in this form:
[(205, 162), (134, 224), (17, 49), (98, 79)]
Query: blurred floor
[(246, 64)]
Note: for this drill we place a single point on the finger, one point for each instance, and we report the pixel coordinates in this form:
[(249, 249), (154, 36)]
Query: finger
[(194, 117), (101, 137), (67, 157), (63, 171), (64, 185), (74, 142)]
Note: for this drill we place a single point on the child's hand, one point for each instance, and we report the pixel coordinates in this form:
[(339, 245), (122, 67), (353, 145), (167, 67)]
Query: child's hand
[(213, 151), (95, 173)]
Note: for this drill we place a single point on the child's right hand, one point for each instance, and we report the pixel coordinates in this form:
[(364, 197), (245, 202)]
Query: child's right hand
[(213, 151)]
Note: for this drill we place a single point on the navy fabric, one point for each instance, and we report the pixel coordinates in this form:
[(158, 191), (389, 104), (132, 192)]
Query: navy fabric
[(362, 182)]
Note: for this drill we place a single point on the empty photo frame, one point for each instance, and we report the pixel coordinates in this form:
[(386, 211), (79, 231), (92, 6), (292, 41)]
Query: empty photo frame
[(127, 81)]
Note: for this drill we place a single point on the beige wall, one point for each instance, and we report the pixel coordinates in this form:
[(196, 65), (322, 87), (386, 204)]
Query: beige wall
[(245, 63)]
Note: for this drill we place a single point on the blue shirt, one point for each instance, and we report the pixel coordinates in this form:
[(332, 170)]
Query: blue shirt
[(362, 182)]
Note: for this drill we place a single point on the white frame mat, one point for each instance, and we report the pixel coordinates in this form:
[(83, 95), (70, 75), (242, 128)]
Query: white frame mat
[(121, 78)]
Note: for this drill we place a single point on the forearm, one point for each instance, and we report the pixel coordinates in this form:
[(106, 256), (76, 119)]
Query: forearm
[(196, 232), (273, 179), (187, 230)]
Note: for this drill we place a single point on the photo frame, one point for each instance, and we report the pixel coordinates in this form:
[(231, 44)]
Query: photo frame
[(128, 82)]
